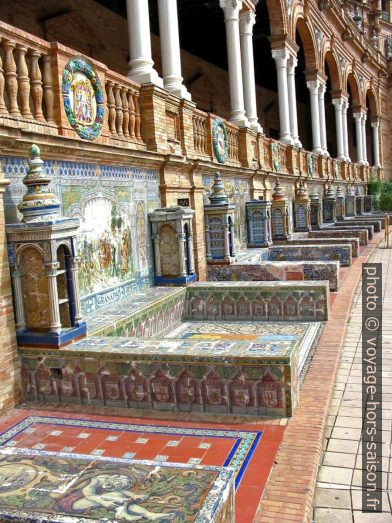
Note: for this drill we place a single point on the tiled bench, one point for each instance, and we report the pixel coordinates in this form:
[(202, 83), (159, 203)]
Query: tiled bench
[(278, 271), (362, 235), (314, 252)]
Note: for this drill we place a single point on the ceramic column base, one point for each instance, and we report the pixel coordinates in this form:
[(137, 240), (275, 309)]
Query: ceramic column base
[(28, 338)]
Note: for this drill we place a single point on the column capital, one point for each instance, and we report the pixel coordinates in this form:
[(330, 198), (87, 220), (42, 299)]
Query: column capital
[(292, 63), (231, 9), (322, 89), (247, 21), (281, 56), (375, 123), (313, 86), (357, 116), (338, 103)]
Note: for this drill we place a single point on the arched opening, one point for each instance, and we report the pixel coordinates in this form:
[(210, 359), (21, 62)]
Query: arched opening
[(304, 116), (35, 289), (65, 288), (170, 263)]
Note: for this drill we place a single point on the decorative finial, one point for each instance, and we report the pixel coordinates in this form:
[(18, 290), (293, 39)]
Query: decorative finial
[(278, 193), (339, 192), (350, 190), (39, 203), (302, 192), (218, 195), (330, 193), (357, 191)]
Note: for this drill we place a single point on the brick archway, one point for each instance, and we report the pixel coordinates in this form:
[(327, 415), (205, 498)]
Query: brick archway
[(277, 17), (309, 46), (334, 72), (371, 100), (352, 82)]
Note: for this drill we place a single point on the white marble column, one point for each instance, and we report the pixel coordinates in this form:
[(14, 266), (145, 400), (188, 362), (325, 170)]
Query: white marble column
[(247, 21), (338, 102), (358, 134), (141, 63), (170, 49), (364, 145), (291, 65), (281, 56), (376, 143), (313, 87), (323, 127), (345, 130), (231, 9)]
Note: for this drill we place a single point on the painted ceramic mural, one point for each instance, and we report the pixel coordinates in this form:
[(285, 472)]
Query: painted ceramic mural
[(238, 191), (112, 203), (42, 486)]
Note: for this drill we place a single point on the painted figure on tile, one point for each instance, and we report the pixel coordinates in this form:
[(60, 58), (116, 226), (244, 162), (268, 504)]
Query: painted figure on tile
[(141, 232), (83, 95), (112, 491)]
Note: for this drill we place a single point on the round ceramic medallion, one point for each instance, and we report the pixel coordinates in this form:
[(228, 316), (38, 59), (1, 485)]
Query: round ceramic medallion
[(219, 140), (83, 98)]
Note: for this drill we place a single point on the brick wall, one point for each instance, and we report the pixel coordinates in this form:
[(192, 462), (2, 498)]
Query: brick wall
[(10, 387)]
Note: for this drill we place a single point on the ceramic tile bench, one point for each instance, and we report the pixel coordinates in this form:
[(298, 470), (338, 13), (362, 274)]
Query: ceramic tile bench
[(315, 252), (278, 271), (354, 242), (362, 235), (377, 224)]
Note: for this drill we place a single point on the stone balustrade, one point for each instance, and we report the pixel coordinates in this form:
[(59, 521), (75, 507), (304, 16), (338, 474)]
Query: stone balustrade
[(31, 99), (123, 111)]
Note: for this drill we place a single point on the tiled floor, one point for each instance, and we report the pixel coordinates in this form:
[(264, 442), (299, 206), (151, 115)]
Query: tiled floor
[(249, 449), (338, 492)]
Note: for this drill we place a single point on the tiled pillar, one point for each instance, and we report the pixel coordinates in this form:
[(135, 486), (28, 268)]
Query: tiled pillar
[(75, 289), (54, 312)]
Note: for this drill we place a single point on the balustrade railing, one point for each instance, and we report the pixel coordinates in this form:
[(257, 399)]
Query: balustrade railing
[(31, 98), (26, 78), (123, 112), (200, 132), (232, 139)]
